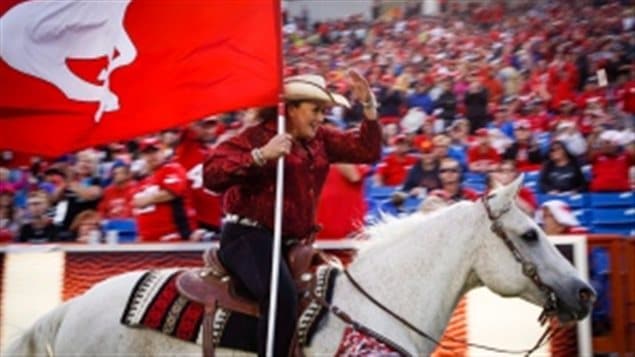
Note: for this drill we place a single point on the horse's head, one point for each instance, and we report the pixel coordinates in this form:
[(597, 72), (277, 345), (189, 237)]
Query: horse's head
[(516, 259)]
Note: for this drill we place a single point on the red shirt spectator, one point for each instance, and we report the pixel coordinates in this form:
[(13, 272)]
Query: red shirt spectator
[(191, 154), (563, 79), (117, 199), (482, 156), (162, 207), (628, 96), (392, 170), (609, 167)]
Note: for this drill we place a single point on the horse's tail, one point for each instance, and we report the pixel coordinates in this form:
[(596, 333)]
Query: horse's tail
[(39, 339)]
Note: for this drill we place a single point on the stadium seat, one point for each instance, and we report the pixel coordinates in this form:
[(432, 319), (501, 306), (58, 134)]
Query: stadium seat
[(531, 176), (380, 192), (126, 229), (474, 177), (627, 230), (583, 215), (618, 199), (476, 186), (532, 185), (613, 216), (575, 201)]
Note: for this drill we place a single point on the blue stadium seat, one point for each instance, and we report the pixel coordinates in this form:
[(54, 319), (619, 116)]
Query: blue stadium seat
[(126, 229), (380, 192), (533, 185), (583, 215), (476, 186), (618, 199), (531, 176), (412, 204), (627, 230), (613, 216), (575, 201), (474, 177)]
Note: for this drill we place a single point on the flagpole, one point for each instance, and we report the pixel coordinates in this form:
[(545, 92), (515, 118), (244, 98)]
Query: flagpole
[(277, 240)]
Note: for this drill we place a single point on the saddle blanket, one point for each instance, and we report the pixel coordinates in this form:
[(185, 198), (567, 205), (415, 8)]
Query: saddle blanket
[(155, 303)]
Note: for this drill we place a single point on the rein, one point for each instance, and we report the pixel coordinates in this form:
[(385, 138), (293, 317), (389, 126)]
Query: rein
[(529, 269)]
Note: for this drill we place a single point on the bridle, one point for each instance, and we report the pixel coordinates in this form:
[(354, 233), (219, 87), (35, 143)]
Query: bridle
[(528, 268)]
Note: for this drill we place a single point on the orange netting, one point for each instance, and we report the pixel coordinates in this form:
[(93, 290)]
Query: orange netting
[(84, 269), (454, 339)]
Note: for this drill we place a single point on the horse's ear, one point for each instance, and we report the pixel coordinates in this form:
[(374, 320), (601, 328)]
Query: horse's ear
[(517, 184), (503, 195), (496, 185)]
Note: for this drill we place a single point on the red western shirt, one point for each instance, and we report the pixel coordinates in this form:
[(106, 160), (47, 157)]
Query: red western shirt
[(165, 220), (249, 190), (191, 154)]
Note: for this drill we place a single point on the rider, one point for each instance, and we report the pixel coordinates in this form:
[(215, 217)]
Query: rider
[(244, 168)]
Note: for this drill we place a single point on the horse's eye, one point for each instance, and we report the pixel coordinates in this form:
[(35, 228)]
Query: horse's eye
[(530, 236)]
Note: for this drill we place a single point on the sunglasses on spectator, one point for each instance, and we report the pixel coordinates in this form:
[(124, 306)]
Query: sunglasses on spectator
[(449, 169)]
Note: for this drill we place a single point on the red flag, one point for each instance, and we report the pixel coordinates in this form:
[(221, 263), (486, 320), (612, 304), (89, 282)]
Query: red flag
[(77, 74)]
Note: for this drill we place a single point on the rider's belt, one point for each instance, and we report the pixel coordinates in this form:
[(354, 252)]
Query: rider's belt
[(243, 221)]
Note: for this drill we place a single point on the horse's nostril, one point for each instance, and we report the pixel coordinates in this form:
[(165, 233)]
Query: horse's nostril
[(586, 295)]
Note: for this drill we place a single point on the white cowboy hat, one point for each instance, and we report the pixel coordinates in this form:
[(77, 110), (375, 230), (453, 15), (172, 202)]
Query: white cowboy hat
[(312, 87), (560, 211)]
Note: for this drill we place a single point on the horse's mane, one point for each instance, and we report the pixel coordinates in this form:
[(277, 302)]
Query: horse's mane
[(390, 228)]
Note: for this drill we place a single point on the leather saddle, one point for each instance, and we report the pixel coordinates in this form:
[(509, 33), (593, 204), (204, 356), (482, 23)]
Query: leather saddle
[(213, 287)]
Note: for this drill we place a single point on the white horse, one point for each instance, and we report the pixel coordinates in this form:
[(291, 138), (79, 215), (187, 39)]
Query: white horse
[(39, 36), (418, 266)]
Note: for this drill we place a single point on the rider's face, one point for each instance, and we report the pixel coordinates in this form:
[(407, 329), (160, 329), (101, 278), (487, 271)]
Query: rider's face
[(305, 118)]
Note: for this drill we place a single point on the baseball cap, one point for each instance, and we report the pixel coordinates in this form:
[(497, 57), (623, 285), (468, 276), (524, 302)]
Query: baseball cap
[(149, 144), (522, 124), (560, 211)]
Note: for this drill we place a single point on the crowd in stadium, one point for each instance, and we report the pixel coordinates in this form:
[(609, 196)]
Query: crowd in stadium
[(473, 96)]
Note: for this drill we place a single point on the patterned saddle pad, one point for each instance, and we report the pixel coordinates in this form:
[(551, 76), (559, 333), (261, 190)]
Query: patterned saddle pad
[(155, 303)]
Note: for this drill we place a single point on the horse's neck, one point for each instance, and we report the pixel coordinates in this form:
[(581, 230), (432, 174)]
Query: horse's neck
[(422, 274)]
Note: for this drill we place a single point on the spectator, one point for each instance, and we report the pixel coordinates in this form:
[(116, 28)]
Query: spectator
[(610, 165), (191, 152), (476, 100), (502, 120), (482, 157), (8, 215), (447, 103), (555, 217), (86, 227), (344, 183), (505, 174), (117, 200), (424, 174), (80, 191), (421, 97), (393, 168), (525, 151), (561, 172), (161, 206), (38, 226), (567, 133), (451, 188)]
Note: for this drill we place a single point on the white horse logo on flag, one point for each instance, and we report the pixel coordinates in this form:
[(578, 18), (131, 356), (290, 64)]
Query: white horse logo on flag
[(38, 36)]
